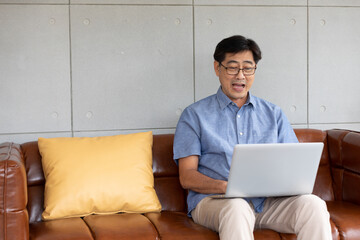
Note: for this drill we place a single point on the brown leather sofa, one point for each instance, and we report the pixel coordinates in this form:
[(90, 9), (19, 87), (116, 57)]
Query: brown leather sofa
[(22, 192)]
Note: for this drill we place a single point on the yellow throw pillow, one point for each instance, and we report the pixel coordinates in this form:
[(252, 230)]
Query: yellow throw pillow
[(98, 175)]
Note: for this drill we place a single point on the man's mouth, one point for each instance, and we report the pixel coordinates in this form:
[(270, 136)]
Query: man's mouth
[(238, 86)]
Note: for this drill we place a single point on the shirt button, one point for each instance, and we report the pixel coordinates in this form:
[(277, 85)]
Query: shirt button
[(238, 116), (241, 133)]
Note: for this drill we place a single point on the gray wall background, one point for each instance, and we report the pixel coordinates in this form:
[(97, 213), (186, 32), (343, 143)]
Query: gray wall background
[(105, 67)]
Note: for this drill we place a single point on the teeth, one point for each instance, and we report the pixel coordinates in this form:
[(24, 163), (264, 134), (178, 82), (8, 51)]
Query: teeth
[(239, 84)]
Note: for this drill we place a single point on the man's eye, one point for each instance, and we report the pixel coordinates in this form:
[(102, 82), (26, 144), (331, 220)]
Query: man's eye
[(248, 69), (233, 68)]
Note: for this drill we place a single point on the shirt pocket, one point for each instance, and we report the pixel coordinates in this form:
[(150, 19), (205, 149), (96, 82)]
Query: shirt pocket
[(269, 136)]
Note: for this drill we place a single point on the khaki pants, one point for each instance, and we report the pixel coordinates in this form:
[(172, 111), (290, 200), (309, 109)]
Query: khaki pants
[(235, 218)]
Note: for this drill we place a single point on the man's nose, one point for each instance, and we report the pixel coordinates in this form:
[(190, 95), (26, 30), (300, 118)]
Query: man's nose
[(240, 74)]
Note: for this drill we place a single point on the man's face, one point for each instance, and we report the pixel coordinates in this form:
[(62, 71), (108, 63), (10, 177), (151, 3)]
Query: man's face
[(236, 87)]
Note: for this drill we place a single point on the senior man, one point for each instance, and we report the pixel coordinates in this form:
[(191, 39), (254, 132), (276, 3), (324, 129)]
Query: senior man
[(205, 136)]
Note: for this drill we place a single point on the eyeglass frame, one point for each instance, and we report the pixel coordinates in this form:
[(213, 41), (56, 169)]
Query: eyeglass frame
[(239, 69)]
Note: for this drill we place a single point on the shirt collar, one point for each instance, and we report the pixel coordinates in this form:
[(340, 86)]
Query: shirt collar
[(224, 100)]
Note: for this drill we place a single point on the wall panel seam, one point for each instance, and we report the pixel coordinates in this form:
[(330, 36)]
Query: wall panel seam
[(71, 79), (194, 57), (308, 65)]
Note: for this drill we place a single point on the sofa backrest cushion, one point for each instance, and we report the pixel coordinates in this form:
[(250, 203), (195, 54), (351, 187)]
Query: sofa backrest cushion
[(167, 185), (35, 180), (323, 183)]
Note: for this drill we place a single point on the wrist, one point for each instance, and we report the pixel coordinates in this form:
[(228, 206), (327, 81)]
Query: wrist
[(223, 186)]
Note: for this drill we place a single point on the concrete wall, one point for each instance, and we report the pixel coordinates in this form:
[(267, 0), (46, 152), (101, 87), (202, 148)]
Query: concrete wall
[(104, 67)]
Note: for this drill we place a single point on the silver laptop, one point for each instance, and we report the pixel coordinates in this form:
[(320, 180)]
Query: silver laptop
[(266, 170)]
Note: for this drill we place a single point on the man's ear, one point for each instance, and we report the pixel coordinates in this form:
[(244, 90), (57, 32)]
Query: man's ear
[(217, 68)]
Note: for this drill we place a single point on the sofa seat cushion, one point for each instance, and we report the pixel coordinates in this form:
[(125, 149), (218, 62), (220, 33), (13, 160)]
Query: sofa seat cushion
[(178, 226), (334, 230), (264, 234), (121, 226), (69, 229), (287, 236), (346, 217)]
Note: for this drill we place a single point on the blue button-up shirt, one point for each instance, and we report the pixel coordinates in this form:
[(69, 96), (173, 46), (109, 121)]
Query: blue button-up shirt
[(211, 127)]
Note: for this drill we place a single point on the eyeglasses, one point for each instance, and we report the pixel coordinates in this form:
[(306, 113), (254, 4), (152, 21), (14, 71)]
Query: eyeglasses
[(247, 71)]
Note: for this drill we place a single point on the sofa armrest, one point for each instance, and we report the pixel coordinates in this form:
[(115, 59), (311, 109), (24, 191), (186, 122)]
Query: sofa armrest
[(14, 220), (344, 150)]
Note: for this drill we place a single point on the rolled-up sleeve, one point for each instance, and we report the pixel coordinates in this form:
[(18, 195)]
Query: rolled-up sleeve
[(286, 133), (187, 136)]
